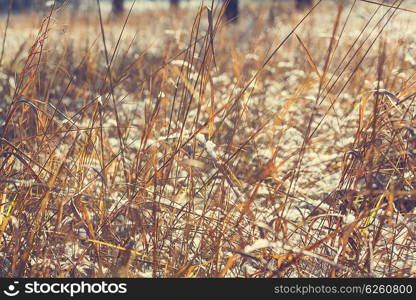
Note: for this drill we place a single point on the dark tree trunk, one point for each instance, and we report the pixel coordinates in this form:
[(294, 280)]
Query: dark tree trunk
[(174, 3), (231, 10), (75, 4), (302, 4), (118, 6)]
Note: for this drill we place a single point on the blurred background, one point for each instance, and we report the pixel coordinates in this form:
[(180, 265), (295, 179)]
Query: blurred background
[(119, 5), (173, 142)]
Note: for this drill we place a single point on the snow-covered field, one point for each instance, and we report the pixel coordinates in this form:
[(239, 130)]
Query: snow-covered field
[(181, 147)]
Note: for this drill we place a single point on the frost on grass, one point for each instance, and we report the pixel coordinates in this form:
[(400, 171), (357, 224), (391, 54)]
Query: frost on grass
[(176, 164)]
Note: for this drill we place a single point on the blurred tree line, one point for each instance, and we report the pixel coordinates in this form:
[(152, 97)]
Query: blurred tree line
[(231, 7), (17, 5), (22, 5), (231, 10)]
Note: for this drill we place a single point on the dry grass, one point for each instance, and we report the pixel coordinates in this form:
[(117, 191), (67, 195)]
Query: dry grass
[(281, 146)]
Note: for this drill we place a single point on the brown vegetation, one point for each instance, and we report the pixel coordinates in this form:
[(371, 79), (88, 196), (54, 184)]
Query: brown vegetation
[(279, 146)]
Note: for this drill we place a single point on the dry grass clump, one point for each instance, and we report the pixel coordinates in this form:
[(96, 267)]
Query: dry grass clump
[(281, 146)]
